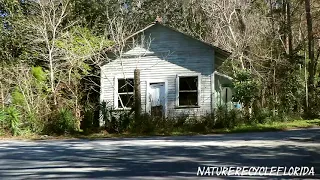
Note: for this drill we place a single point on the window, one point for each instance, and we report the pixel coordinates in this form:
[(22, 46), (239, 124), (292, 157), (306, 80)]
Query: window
[(125, 91), (188, 94)]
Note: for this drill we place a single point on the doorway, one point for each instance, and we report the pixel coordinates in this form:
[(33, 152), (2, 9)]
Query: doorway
[(157, 99)]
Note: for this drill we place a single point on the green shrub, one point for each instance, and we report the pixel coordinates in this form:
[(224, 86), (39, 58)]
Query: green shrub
[(115, 121), (18, 98), (33, 123), (282, 117), (225, 118), (90, 121), (196, 125), (10, 118), (62, 122), (261, 115), (120, 121), (236, 117), (246, 87), (209, 121), (87, 124), (180, 120), (221, 118), (166, 125), (146, 124), (38, 73)]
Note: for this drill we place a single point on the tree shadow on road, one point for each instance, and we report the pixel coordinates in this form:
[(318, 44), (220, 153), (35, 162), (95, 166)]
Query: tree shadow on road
[(138, 158)]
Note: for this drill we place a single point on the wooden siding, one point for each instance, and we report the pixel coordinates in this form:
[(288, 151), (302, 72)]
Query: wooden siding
[(169, 54)]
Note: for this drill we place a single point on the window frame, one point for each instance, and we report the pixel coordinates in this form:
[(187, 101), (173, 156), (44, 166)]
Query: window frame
[(178, 76), (117, 94)]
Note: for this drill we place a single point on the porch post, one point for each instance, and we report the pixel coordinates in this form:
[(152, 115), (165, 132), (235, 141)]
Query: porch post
[(137, 93)]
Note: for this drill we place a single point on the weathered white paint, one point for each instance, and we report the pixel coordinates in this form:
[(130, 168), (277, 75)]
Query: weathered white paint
[(169, 54), (213, 92)]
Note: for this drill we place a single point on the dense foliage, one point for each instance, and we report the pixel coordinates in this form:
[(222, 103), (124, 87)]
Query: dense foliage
[(51, 52)]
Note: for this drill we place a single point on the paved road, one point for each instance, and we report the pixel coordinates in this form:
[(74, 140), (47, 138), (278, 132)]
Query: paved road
[(156, 157)]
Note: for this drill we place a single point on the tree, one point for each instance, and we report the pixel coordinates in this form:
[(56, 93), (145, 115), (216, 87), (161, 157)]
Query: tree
[(246, 89), (312, 65), (48, 27)]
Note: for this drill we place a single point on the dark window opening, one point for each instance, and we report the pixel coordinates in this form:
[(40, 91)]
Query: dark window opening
[(125, 85), (188, 83), (125, 91), (188, 91)]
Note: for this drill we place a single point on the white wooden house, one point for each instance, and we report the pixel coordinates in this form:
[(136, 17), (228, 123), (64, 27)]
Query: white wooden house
[(178, 73)]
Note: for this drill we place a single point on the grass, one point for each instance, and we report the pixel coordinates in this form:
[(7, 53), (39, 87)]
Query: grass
[(267, 127), (272, 126)]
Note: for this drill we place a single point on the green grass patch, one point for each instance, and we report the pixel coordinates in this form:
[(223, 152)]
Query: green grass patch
[(266, 127), (272, 126)]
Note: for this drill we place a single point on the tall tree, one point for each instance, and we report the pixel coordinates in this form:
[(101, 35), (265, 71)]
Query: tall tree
[(312, 65)]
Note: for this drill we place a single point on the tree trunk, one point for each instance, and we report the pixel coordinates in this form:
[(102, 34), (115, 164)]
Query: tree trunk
[(284, 26), (2, 95), (242, 29), (289, 30), (312, 63), (137, 93)]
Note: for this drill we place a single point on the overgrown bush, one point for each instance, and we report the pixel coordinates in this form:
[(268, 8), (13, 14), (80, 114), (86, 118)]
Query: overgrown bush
[(120, 121), (62, 122), (194, 124), (236, 116), (225, 118), (261, 115), (280, 117), (292, 92), (87, 123), (115, 121), (10, 119), (180, 121), (222, 117), (27, 94), (314, 105), (146, 124), (90, 120), (246, 88)]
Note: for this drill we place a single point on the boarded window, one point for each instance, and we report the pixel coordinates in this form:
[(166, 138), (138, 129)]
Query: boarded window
[(125, 91), (188, 91)]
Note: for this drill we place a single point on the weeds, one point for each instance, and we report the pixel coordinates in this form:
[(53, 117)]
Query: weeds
[(10, 118), (62, 122)]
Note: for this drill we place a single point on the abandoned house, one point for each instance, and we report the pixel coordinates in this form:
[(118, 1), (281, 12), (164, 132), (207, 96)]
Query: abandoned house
[(177, 74)]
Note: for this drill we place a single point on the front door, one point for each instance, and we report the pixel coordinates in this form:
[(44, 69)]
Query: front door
[(157, 99)]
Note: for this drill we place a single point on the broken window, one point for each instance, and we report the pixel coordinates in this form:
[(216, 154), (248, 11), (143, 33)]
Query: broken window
[(188, 91), (125, 91)]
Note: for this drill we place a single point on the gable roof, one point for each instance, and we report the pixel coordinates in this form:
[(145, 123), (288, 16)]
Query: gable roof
[(156, 23)]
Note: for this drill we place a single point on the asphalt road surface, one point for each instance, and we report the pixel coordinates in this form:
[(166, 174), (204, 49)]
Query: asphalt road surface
[(158, 157)]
